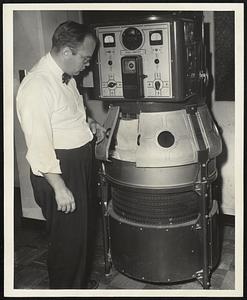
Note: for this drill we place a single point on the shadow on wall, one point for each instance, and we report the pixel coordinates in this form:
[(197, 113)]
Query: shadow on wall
[(220, 161)]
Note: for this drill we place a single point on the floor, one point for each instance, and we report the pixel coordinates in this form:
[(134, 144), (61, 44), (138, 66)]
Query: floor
[(31, 273)]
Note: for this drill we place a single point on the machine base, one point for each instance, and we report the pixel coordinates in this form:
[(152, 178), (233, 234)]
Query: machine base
[(162, 253)]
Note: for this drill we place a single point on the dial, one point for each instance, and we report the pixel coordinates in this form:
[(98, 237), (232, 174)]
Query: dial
[(109, 40), (156, 37), (132, 38)]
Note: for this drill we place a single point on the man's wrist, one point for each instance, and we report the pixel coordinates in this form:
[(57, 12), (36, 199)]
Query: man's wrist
[(56, 181)]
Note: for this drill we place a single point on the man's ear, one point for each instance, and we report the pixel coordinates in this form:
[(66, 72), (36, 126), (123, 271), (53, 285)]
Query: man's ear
[(66, 52)]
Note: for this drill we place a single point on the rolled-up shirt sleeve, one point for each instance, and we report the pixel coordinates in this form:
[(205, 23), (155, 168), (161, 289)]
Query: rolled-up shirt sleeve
[(34, 110)]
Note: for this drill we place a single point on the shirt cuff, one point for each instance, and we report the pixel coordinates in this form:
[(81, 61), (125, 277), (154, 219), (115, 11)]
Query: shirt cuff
[(39, 169)]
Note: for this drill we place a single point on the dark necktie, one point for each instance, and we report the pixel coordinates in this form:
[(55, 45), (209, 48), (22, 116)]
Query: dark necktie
[(66, 78)]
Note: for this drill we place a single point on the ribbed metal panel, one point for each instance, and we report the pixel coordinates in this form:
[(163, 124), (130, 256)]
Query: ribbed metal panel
[(155, 207)]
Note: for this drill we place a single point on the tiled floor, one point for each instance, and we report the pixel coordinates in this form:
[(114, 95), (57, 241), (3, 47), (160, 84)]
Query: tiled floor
[(31, 272)]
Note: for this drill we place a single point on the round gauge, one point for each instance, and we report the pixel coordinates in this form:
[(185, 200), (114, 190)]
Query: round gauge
[(156, 36), (108, 39), (132, 38)]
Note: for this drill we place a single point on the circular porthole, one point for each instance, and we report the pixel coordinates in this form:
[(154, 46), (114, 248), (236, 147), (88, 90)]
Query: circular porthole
[(132, 38), (166, 139)]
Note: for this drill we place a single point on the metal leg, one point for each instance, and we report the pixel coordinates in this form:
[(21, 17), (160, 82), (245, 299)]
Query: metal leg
[(204, 276), (206, 282), (105, 221)]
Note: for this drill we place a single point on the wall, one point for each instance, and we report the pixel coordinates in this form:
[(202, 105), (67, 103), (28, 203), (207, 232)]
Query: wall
[(32, 35), (27, 50), (224, 115)]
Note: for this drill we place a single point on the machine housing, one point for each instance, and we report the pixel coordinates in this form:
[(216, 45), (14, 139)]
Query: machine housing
[(159, 153)]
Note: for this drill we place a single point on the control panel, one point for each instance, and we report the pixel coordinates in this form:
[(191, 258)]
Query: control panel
[(134, 61)]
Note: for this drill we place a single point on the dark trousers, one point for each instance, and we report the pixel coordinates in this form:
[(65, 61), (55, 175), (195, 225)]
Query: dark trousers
[(67, 246)]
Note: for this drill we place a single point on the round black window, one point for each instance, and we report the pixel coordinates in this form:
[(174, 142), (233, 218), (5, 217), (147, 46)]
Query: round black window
[(132, 38), (166, 139)]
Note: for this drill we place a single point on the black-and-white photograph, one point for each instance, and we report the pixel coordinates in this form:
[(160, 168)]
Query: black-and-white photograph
[(121, 149)]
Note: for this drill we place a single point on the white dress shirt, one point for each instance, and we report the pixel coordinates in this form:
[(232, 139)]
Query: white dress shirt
[(51, 114)]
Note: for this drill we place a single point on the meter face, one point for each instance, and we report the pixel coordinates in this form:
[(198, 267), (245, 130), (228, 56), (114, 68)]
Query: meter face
[(109, 40), (156, 37)]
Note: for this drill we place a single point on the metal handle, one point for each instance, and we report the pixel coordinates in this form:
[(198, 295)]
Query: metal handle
[(204, 76)]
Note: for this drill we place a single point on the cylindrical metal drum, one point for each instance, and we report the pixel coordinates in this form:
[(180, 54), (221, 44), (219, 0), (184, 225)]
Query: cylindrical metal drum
[(161, 253)]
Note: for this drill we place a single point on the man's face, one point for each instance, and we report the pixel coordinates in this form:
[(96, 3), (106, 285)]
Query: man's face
[(75, 63)]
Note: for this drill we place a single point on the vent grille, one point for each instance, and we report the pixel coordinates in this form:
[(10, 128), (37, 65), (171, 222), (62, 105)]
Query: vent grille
[(155, 207)]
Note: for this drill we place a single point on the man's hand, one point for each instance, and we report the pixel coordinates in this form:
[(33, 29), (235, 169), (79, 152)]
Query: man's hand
[(97, 129), (64, 198)]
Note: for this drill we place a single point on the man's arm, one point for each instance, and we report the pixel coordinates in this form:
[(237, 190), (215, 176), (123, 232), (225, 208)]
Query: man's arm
[(34, 109), (64, 198)]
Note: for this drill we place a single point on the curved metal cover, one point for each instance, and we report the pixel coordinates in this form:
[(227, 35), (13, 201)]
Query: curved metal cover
[(102, 148), (151, 153), (126, 173), (210, 132), (166, 139)]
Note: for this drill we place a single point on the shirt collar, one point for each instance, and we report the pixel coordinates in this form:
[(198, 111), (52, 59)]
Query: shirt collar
[(54, 67)]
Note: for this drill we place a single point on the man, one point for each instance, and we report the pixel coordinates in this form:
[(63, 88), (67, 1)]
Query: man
[(52, 116)]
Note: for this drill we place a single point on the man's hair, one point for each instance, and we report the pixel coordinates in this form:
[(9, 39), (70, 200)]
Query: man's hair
[(70, 34)]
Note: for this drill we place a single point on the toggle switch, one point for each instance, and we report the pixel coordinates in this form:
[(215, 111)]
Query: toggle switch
[(111, 84), (157, 84)]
